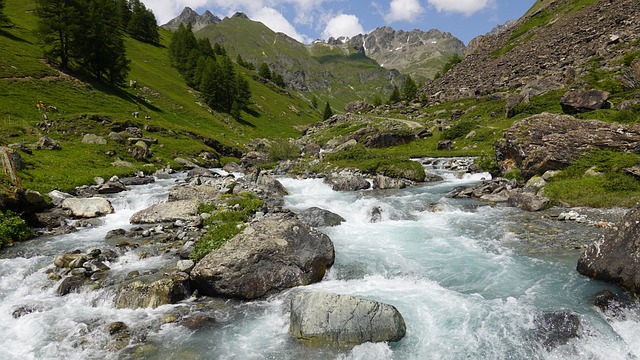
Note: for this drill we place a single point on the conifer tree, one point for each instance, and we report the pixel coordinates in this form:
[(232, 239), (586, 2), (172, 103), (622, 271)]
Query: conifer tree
[(409, 89), (327, 112), (395, 95), (142, 24), (59, 21), (278, 80), (264, 71)]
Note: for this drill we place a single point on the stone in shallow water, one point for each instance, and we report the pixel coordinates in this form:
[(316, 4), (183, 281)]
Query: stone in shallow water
[(343, 320)]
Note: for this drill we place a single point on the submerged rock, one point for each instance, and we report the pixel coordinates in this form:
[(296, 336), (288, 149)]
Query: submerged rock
[(272, 254), (343, 320), (556, 328)]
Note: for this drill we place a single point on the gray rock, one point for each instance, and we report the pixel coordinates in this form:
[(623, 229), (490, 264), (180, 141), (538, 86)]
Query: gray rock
[(47, 143), (185, 265), (150, 293), (270, 255), (316, 217), (529, 201), (384, 182), (71, 284), (186, 210), (578, 101), (358, 106), (444, 145), (93, 139), (347, 181), (388, 139), (551, 142), (185, 163), (112, 187), (323, 318), (616, 257), (88, 207)]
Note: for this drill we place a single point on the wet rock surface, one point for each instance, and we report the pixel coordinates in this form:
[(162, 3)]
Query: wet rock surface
[(343, 320), (272, 254)]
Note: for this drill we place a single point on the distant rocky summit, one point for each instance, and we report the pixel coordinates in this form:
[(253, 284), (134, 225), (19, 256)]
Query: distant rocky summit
[(412, 52), (189, 16)]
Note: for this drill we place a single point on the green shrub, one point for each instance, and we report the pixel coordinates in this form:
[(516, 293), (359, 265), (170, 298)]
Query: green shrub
[(226, 221), (215, 238), (282, 149), (399, 168), (488, 163), (13, 228), (460, 129)]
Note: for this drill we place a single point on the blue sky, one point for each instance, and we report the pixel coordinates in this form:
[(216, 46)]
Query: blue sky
[(307, 20)]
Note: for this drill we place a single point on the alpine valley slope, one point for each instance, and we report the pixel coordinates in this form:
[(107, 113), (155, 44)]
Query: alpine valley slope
[(339, 71)]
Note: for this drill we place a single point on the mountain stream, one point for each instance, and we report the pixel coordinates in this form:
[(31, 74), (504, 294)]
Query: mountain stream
[(460, 271)]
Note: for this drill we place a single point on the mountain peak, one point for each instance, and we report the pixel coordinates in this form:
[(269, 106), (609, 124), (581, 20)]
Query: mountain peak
[(189, 16)]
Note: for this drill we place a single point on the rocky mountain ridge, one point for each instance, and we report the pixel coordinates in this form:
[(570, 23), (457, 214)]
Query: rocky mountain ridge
[(418, 53), (189, 16), (551, 47)]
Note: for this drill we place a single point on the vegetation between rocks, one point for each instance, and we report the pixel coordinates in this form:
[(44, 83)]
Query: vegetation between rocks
[(226, 220), (13, 228)]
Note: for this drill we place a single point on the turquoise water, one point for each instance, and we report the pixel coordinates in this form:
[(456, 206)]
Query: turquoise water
[(464, 290)]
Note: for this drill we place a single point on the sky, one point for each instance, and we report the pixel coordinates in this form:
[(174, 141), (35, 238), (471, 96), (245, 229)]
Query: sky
[(309, 20)]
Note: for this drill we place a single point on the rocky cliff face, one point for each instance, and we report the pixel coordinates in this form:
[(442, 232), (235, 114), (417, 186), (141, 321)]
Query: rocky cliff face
[(189, 16), (555, 44), (415, 52)]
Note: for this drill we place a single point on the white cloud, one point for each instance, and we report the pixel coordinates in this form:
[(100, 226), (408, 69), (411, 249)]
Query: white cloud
[(405, 10), (343, 25), (277, 22), (466, 7)]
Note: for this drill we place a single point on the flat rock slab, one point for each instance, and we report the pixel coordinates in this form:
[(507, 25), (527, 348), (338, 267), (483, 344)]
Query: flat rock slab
[(320, 318), (185, 210), (88, 207)]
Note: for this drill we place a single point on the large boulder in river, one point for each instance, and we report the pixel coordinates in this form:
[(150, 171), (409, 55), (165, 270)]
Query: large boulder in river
[(270, 255), (88, 207), (185, 210), (347, 181), (316, 217), (552, 142), (343, 320), (616, 257), (151, 293)]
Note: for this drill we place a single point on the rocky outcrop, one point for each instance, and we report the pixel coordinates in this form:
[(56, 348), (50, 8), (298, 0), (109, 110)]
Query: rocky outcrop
[(47, 143), (413, 52), (358, 106), (579, 101), (189, 16), (185, 210), (347, 181), (552, 142), (561, 49), (270, 255), (316, 217), (93, 139), (88, 207), (324, 318), (387, 139), (616, 257), (384, 182)]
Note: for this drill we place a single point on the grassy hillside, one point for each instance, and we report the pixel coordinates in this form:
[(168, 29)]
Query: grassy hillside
[(328, 73), (75, 106)]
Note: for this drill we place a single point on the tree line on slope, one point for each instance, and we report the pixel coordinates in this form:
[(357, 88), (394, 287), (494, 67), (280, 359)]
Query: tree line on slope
[(88, 35), (209, 70)]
